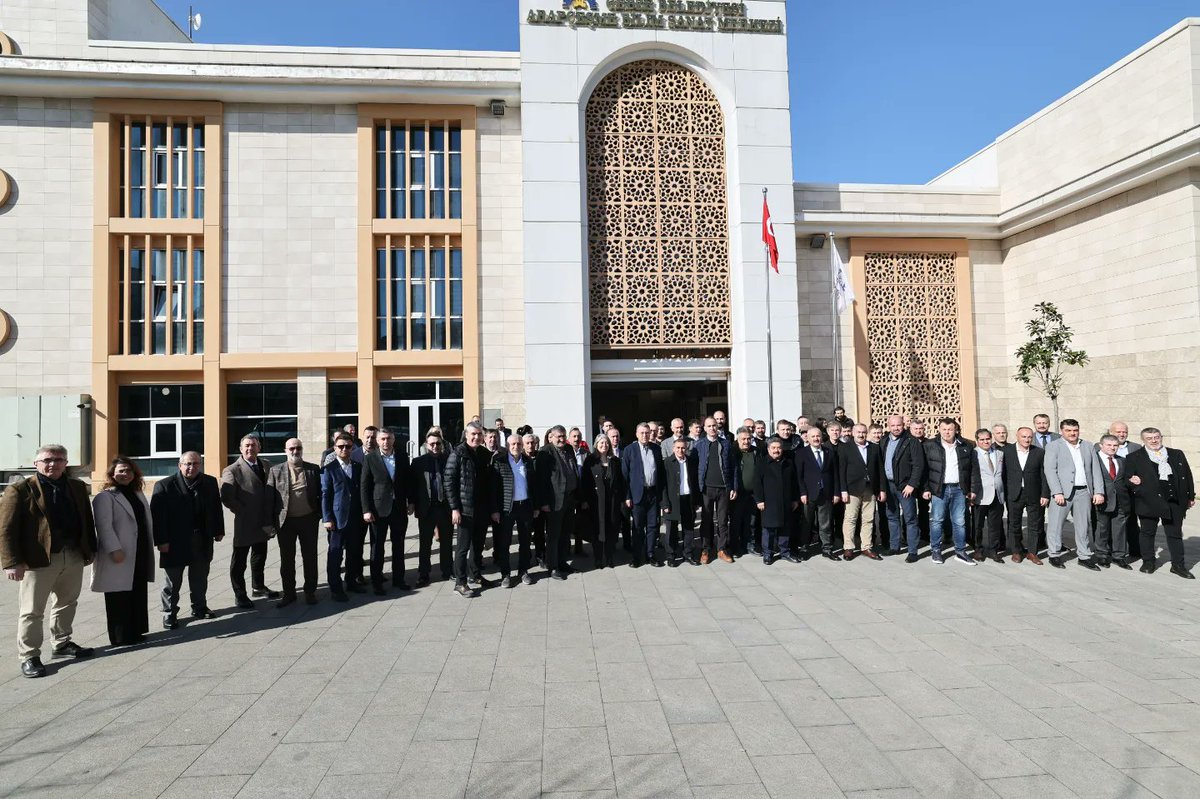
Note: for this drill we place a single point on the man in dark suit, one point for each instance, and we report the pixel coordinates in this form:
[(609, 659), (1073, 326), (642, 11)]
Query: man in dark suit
[(948, 488), (860, 466), (1163, 489), (341, 510), (297, 494), (502, 433), (47, 536), (642, 467), (1027, 494), (386, 506), (187, 519), (776, 493), (680, 498), (512, 489), (817, 474), (465, 481), (1042, 435), (1112, 521), (904, 467), (244, 491), (432, 511), (718, 487), (558, 474), (1125, 447)]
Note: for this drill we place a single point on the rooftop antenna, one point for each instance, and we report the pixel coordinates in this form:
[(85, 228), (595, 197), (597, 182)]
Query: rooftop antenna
[(194, 21)]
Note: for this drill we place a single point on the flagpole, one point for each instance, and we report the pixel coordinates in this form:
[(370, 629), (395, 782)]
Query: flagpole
[(837, 333), (770, 370)]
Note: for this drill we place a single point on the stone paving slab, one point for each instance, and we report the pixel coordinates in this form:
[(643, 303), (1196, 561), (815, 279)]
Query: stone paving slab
[(824, 679)]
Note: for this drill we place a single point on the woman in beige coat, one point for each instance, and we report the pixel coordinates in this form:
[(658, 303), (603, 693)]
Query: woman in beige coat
[(124, 562)]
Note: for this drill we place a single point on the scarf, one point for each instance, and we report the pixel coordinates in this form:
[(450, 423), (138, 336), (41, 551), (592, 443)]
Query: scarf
[(1160, 459)]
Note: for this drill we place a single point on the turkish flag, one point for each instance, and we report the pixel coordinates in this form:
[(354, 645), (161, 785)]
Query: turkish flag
[(768, 236)]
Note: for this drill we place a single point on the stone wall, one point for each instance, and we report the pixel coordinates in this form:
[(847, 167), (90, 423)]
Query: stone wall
[(1124, 272), (291, 177), (501, 271), (46, 245)]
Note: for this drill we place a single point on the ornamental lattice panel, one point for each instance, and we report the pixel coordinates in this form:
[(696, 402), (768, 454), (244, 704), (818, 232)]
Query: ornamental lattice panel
[(658, 236), (915, 366)]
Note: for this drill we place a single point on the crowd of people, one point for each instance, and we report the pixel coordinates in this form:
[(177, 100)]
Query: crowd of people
[(695, 493)]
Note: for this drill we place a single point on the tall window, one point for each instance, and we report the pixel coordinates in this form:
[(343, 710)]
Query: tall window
[(158, 423), (418, 293), (265, 410), (160, 290), (418, 170), (162, 169)]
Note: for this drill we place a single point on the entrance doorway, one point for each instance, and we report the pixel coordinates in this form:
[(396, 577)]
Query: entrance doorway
[(626, 404), (410, 407)]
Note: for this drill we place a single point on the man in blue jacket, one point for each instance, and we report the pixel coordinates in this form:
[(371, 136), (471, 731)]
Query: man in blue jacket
[(341, 510), (645, 476)]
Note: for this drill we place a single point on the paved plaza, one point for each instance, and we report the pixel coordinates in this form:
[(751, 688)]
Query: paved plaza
[(857, 679)]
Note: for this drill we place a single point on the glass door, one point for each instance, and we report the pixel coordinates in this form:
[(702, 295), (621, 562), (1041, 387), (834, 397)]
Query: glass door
[(410, 407)]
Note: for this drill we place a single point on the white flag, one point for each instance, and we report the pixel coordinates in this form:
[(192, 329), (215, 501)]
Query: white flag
[(842, 289)]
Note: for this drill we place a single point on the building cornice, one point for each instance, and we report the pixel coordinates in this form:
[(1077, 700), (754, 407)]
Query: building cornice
[(52, 77)]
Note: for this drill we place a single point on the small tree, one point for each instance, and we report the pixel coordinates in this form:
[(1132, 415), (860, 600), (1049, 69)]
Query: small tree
[(1047, 353)]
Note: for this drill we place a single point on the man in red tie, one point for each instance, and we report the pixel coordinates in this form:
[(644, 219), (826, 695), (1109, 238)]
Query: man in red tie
[(1113, 523)]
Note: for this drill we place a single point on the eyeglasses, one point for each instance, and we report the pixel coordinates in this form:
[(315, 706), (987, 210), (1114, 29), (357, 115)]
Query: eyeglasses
[(48, 461), (341, 446)]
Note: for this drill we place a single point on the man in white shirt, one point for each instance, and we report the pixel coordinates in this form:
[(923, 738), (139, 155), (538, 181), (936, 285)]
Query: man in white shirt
[(988, 487), (1075, 485)]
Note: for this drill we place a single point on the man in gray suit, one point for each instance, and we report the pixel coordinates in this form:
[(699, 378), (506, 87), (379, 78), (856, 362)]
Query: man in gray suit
[(1112, 517), (1073, 474), (297, 496), (245, 492), (1041, 431), (987, 484)]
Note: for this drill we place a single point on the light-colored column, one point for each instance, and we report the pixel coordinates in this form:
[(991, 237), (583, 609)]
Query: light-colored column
[(312, 410)]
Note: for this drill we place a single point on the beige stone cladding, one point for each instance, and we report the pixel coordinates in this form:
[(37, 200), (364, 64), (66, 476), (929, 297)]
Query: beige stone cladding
[(814, 286), (994, 360), (62, 28), (1141, 101), (501, 269), (1124, 272), (291, 176), (46, 245)]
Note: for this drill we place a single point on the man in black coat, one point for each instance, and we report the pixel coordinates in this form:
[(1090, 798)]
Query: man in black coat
[(558, 473), (904, 467), (680, 498), (465, 481), (297, 487), (188, 518), (860, 475), (776, 493), (642, 467), (385, 502), (428, 494), (1026, 492), (817, 474), (949, 464), (1163, 489), (511, 480)]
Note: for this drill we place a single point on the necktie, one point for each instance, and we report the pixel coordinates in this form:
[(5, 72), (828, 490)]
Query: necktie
[(1044, 437), (1112, 468), (820, 461), (991, 466), (437, 492)]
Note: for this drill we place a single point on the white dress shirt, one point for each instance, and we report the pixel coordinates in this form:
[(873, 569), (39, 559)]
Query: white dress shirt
[(951, 474), (684, 488), (520, 482), (1077, 456)]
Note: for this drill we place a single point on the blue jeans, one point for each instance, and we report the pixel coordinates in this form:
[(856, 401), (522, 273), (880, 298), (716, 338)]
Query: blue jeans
[(902, 507), (953, 498)]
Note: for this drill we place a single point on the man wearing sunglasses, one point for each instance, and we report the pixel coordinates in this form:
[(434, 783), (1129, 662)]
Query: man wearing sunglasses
[(47, 536)]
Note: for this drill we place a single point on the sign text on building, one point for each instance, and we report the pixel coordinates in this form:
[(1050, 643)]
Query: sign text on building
[(675, 15)]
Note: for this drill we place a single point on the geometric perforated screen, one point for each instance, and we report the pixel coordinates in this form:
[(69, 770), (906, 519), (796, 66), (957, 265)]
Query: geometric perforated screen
[(658, 238), (912, 335)]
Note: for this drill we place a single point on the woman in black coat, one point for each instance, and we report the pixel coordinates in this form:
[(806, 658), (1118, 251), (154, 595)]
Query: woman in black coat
[(776, 493), (604, 492)]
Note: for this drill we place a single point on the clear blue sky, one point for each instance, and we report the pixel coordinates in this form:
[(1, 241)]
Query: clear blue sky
[(883, 91)]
